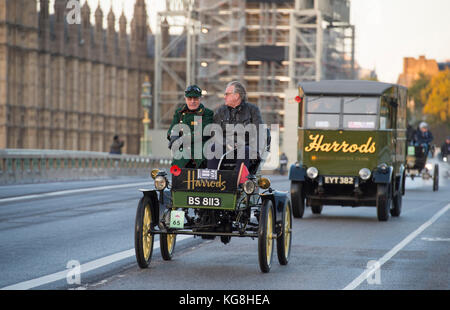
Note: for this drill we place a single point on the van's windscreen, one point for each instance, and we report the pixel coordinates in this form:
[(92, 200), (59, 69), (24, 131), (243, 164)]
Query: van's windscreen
[(341, 112), (360, 105), (324, 105)]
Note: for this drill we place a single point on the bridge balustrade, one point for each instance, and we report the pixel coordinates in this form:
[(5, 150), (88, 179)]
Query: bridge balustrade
[(33, 166)]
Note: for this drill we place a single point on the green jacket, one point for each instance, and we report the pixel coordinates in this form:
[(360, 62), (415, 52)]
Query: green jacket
[(185, 116)]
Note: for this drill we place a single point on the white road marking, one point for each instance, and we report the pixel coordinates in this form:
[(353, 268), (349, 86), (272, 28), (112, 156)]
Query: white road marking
[(73, 191), (95, 264), (436, 239), (368, 272)]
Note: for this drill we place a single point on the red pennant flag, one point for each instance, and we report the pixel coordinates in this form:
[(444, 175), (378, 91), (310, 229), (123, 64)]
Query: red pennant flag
[(243, 174)]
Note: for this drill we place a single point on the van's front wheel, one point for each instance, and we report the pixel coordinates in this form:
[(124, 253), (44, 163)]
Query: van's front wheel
[(298, 199), (384, 201)]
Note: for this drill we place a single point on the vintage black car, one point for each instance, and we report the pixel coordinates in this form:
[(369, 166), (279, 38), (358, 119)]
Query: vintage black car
[(418, 167), (214, 203), (351, 146)]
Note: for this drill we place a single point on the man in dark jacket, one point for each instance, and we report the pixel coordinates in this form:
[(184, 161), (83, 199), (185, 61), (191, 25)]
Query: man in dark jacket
[(445, 148), (116, 146), (423, 137), (237, 111), (188, 115)]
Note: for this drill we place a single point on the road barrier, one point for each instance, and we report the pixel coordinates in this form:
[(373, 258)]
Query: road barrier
[(33, 166)]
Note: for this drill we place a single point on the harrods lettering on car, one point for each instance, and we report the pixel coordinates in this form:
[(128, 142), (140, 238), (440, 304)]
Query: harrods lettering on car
[(317, 145), (193, 182)]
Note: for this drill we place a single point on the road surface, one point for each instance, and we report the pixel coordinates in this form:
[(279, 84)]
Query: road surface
[(50, 231)]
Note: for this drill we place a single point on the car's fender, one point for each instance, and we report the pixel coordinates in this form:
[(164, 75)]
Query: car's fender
[(278, 199), (152, 195)]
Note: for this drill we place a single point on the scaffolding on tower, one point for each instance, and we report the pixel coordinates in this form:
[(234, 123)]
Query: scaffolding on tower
[(177, 30), (269, 45)]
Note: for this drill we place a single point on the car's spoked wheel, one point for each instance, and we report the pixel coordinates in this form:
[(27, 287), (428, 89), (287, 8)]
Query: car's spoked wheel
[(167, 243), (265, 236), (284, 240), (383, 201), (298, 199), (436, 178), (143, 240)]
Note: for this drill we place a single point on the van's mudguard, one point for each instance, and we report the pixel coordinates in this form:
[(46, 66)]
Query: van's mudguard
[(278, 199), (402, 179), (383, 177), (297, 173)]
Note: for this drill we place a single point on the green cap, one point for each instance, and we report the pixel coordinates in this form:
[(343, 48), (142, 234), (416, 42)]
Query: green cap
[(193, 91)]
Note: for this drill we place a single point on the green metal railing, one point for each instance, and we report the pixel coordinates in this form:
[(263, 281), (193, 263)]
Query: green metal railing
[(29, 166)]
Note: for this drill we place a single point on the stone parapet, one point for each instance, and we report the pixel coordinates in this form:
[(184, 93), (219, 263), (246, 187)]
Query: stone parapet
[(19, 166)]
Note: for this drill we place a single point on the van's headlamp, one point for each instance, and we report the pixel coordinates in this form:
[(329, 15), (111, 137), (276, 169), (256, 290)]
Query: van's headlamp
[(312, 172)]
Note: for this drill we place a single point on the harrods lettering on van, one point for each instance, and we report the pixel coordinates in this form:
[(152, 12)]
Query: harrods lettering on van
[(317, 145), (193, 182)]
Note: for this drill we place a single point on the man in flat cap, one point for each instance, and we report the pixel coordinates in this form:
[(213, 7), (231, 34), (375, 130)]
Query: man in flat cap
[(192, 114)]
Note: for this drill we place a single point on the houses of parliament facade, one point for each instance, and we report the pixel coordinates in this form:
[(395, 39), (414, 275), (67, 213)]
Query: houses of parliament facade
[(71, 86)]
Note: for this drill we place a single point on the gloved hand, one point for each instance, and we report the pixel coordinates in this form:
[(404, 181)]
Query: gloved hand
[(172, 140)]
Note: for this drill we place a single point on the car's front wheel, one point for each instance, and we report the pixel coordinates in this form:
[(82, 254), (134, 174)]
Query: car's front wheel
[(143, 239), (266, 236)]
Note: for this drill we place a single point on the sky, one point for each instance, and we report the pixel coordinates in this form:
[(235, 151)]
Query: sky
[(386, 30)]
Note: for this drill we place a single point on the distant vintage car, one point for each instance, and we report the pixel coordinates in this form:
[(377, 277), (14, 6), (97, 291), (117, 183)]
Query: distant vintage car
[(214, 203), (351, 146), (446, 164), (417, 166)]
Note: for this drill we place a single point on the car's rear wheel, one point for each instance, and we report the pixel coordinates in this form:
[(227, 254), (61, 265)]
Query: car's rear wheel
[(266, 236), (298, 199), (285, 237), (143, 239), (167, 242), (436, 178), (383, 200)]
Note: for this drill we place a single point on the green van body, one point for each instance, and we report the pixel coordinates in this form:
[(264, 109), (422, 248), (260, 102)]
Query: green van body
[(349, 138)]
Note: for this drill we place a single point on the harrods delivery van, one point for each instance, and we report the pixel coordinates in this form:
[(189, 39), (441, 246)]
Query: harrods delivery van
[(351, 146)]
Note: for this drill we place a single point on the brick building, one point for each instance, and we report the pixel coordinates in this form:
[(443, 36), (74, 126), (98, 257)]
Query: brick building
[(71, 87), (412, 68)]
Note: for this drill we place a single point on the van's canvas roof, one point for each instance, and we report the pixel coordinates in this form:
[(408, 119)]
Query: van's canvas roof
[(346, 87)]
